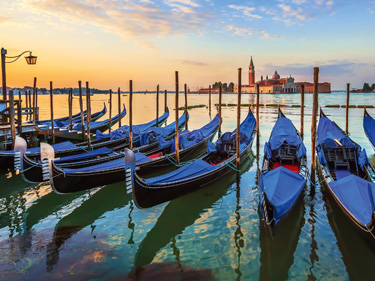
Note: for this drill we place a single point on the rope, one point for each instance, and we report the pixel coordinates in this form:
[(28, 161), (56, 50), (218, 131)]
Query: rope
[(231, 165), (171, 159)]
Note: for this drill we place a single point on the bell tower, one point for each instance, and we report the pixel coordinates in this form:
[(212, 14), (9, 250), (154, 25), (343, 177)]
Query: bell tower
[(251, 72)]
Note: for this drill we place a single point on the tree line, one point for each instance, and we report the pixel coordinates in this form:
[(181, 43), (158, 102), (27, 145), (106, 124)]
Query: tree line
[(226, 87), (367, 88)]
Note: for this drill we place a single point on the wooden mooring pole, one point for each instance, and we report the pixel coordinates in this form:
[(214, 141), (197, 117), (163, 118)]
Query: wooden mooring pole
[(347, 108), (51, 104), (110, 110), (11, 117), (209, 99), (220, 95), (238, 120), (88, 107), (257, 107), (34, 101), (19, 116), (165, 100), (185, 112), (70, 102), (131, 114), (176, 126), (302, 108), (119, 107), (81, 108), (157, 105), (313, 122), (29, 106)]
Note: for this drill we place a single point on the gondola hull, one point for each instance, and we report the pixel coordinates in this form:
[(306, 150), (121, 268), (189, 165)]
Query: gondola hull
[(32, 168), (65, 183), (368, 231), (145, 196)]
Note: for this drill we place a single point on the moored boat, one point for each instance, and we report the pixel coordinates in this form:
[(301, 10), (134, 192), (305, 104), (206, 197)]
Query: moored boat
[(210, 167), (346, 173), (72, 180), (369, 127), (32, 168), (283, 174)]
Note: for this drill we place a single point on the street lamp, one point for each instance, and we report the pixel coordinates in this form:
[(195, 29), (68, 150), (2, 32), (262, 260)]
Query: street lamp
[(30, 59)]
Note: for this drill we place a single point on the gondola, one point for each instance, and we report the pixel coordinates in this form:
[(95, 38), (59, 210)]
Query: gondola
[(64, 121), (369, 127), (32, 169), (347, 175), (67, 148), (283, 174), (72, 180), (76, 132), (208, 168)]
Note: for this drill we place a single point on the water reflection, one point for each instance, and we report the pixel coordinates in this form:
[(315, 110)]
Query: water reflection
[(238, 235), (277, 252), (358, 251), (85, 215), (178, 215)]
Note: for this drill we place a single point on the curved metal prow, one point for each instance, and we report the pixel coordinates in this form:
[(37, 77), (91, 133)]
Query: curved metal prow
[(20, 146), (129, 169), (47, 155)]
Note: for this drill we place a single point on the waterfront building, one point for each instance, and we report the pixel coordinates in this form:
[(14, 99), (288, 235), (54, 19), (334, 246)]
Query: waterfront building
[(277, 85)]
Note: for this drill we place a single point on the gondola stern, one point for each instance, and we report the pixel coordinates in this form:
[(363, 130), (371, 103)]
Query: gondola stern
[(130, 165)]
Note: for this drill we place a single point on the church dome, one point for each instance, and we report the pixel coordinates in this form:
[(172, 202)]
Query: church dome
[(276, 75)]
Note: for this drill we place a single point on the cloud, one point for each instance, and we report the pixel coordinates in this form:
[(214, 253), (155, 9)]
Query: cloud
[(246, 11), (5, 19), (138, 20), (334, 68), (242, 31)]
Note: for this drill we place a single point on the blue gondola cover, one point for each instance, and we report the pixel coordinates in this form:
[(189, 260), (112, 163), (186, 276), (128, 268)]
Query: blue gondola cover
[(282, 188), (357, 195), (284, 130), (369, 127)]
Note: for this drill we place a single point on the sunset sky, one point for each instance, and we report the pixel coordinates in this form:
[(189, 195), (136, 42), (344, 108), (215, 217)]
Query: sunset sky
[(109, 42)]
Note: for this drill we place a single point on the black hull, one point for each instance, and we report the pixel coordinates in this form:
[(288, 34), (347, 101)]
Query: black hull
[(148, 196), (32, 170), (87, 180), (370, 236), (116, 145)]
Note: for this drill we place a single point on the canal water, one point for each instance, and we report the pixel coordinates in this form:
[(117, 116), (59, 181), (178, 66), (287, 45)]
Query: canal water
[(216, 233)]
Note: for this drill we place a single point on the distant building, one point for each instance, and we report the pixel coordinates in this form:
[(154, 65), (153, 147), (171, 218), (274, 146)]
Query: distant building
[(207, 90), (277, 85)]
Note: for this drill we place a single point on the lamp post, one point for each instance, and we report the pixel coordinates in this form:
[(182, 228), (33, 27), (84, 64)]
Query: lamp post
[(30, 59)]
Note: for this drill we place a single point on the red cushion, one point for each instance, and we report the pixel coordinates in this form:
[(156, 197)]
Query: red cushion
[(220, 162), (156, 155), (293, 168)]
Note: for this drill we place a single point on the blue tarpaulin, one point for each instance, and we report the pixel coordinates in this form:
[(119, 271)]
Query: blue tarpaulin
[(327, 133), (56, 147), (93, 125), (188, 139), (284, 130), (282, 188), (196, 168), (154, 134), (87, 155), (369, 127), (357, 195), (123, 131), (199, 167)]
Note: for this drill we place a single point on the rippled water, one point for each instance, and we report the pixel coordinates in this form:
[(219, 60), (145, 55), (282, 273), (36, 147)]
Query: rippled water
[(215, 233)]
